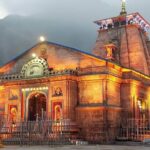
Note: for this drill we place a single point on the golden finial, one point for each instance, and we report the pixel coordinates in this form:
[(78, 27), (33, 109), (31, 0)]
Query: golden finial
[(123, 7)]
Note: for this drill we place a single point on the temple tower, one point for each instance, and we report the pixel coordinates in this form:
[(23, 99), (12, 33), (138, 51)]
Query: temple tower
[(124, 38)]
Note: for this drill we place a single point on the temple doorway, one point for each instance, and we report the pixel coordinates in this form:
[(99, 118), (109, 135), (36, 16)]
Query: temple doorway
[(37, 107)]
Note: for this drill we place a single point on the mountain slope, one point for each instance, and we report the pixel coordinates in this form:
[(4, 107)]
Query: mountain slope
[(19, 33)]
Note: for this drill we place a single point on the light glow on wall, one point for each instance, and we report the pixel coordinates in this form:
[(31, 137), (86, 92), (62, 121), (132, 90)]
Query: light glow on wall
[(34, 89), (2, 88), (33, 55), (42, 38)]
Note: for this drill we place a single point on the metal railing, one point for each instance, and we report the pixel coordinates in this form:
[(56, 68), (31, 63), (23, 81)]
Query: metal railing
[(135, 130), (39, 132), (77, 71)]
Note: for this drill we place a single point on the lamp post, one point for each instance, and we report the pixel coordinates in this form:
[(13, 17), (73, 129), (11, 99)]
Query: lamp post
[(42, 39)]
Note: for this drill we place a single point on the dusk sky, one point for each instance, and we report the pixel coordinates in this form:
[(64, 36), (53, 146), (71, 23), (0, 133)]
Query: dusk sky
[(88, 9), (66, 17)]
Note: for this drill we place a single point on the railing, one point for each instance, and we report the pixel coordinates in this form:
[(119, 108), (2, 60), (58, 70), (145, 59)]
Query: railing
[(50, 73), (136, 76), (99, 70), (39, 132), (135, 130), (3, 119), (78, 71)]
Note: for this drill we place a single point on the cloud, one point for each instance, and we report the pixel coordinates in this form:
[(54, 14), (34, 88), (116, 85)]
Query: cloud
[(69, 22), (3, 12), (74, 8), (54, 7)]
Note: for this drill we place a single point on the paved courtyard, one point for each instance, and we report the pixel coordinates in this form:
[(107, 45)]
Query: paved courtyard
[(74, 147)]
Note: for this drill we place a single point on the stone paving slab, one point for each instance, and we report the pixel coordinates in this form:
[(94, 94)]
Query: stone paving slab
[(77, 147)]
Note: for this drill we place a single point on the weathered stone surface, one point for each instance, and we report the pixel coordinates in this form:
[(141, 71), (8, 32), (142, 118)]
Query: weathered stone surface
[(97, 94), (132, 47)]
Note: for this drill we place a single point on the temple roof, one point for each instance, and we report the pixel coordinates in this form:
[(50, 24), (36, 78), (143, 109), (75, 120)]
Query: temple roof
[(56, 44), (64, 56), (133, 18)]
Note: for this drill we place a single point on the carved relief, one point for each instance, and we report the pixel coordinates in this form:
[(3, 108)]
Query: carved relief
[(35, 67), (57, 91), (57, 111), (43, 53), (13, 111), (34, 70), (110, 51), (13, 94)]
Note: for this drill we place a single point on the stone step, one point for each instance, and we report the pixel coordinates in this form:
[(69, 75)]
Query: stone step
[(146, 140), (79, 142), (122, 139), (35, 138), (36, 141)]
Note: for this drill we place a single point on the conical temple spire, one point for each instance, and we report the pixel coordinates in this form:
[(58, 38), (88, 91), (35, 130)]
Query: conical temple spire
[(123, 7)]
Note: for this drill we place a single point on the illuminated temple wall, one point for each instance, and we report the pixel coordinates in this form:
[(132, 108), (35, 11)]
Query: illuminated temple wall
[(96, 121), (10, 101), (58, 58), (133, 92), (148, 45), (3, 100), (131, 46), (98, 99), (83, 97), (68, 99), (97, 94)]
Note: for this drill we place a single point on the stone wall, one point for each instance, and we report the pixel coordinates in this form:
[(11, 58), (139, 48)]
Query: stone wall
[(131, 93), (90, 121), (90, 92), (131, 44), (99, 113), (113, 92), (98, 124), (148, 46), (2, 100), (12, 102)]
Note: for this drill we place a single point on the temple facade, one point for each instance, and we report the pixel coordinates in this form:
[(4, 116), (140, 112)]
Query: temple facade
[(98, 91)]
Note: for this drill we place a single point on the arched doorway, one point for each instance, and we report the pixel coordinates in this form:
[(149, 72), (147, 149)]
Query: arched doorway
[(37, 106)]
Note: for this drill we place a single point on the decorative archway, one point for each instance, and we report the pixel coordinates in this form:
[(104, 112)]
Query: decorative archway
[(36, 67), (36, 106)]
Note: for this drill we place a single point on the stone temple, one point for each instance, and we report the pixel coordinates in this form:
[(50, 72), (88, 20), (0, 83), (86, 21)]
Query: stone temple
[(101, 92)]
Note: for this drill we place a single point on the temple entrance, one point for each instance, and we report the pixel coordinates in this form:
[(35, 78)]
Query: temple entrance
[(37, 107)]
